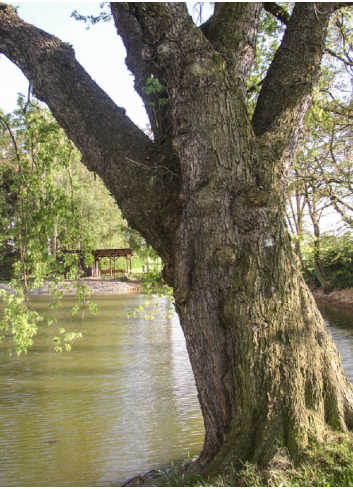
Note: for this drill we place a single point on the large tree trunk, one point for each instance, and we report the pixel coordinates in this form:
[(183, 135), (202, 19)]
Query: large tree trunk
[(266, 369), (207, 195), (265, 366)]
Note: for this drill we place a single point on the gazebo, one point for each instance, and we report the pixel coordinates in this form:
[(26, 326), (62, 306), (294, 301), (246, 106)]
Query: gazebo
[(112, 254)]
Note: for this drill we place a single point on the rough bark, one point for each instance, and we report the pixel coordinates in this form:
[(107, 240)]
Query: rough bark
[(265, 366)]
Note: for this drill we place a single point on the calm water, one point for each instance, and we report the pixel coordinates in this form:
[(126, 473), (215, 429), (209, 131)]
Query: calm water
[(340, 324), (121, 402)]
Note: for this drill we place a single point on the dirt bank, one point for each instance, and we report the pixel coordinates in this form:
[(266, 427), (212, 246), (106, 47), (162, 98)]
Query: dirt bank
[(338, 297), (95, 285)]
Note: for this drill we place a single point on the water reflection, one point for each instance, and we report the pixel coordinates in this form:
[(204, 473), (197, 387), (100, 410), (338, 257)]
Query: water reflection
[(121, 402)]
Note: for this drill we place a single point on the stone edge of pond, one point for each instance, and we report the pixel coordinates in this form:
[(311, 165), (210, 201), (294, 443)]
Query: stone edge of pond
[(95, 286), (159, 478)]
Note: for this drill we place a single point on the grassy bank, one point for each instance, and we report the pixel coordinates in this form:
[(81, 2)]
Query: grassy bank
[(329, 464)]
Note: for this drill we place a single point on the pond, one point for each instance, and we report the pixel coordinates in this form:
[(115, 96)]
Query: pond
[(340, 324), (123, 401)]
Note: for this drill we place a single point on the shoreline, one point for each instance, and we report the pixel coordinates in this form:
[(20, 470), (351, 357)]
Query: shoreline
[(338, 298), (96, 286)]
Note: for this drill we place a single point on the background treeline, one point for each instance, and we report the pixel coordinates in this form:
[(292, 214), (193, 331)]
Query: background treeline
[(48, 200)]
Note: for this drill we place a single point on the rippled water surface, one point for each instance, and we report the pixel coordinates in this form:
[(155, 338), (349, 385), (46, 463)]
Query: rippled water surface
[(121, 402)]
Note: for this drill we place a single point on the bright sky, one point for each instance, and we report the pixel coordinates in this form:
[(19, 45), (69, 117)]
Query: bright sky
[(100, 51)]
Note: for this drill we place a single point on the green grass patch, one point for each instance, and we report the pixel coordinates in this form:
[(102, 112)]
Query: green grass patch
[(328, 464)]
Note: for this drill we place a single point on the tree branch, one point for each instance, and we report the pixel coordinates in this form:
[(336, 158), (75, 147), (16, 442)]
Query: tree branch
[(339, 5), (233, 30), (277, 11), (139, 61), (335, 55), (106, 137), (159, 19), (157, 37), (287, 89)]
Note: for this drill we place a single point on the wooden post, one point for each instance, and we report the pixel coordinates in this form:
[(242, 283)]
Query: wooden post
[(127, 265), (111, 275)]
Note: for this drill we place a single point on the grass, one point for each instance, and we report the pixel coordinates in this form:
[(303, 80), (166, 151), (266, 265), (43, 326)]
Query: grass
[(329, 464)]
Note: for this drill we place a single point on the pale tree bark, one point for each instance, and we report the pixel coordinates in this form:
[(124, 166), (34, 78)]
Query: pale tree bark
[(297, 228), (207, 194), (315, 214)]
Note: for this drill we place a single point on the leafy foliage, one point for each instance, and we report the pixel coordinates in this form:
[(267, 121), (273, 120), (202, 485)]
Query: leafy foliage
[(34, 152), (51, 206), (103, 16), (336, 256), (154, 288), (154, 87)]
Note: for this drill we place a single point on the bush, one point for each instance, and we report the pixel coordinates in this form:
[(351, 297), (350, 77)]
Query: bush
[(336, 253)]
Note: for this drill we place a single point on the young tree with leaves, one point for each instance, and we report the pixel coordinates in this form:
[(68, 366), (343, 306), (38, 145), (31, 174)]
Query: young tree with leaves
[(208, 195), (35, 152)]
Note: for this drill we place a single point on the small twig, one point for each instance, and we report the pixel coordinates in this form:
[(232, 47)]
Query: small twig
[(28, 98), (332, 53), (155, 168)]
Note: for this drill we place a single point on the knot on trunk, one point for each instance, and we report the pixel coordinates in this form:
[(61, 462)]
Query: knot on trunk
[(168, 275)]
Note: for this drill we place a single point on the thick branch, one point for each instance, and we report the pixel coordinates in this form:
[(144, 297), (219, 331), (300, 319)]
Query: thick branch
[(286, 93), (167, 34), (339, 5), (139, 60), (277, 11), (158, 19), (110, 143), (157, 36), (233, 30)]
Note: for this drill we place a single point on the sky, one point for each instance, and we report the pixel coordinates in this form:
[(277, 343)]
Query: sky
[(100, 51)]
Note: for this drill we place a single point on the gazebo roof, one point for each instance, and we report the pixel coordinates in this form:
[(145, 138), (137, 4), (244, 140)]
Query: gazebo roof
[(113, 253)]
